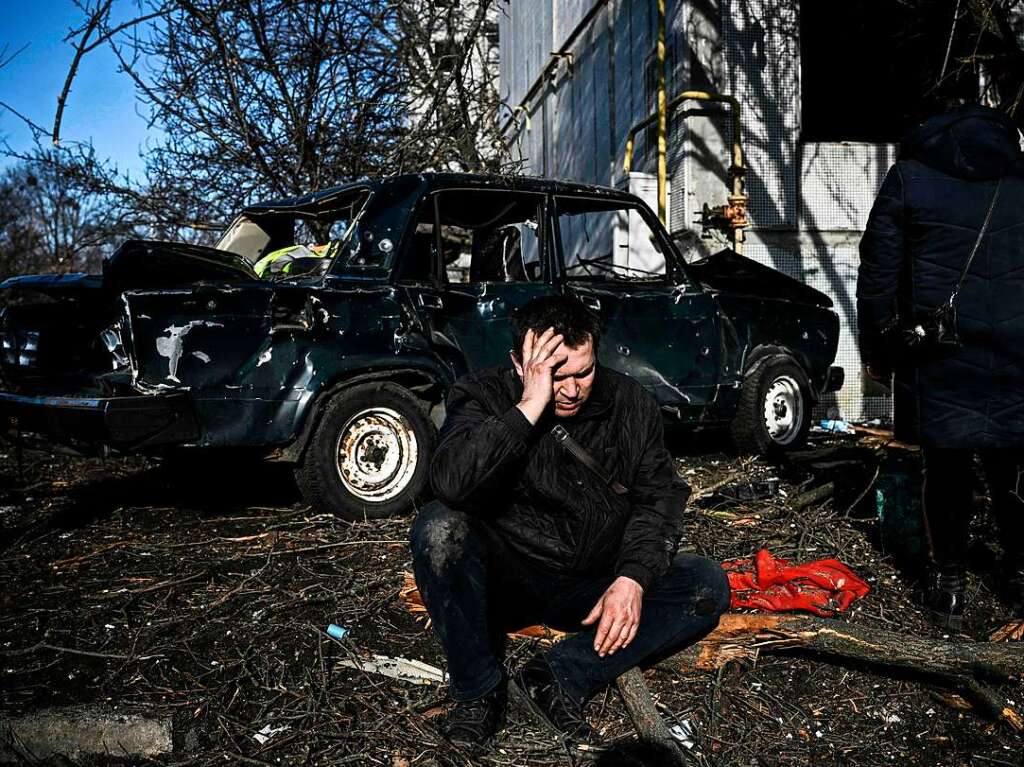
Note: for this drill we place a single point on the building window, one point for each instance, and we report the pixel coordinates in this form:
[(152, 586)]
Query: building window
[(869, 68)]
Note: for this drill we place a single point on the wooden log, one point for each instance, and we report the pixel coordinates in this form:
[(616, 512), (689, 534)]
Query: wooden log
[(819, 493), (744, 635), (644, 714), (961, 664)]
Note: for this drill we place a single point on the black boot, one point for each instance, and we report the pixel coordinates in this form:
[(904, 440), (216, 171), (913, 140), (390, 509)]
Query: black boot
[(548, 701), (943, 595), (473, 723), (1013, 586)]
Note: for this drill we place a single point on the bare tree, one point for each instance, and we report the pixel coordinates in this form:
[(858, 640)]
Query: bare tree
[(263, 98), (984, 48), (49, 222), (273, 98), (449, 56)]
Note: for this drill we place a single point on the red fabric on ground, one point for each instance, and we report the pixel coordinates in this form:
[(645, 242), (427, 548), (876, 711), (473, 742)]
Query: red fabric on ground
[(764, 582)]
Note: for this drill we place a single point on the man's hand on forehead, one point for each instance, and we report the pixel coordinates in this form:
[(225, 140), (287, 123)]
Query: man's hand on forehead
[(540, 356)]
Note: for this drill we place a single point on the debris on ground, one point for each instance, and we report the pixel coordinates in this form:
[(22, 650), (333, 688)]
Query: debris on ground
[(834, 426), (334, 631), (683, 732), (402, 669), (766, 582), (204, 604), (267, 733)]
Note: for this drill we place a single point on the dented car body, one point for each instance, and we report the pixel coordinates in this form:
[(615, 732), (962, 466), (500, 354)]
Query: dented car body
[(340, 364)]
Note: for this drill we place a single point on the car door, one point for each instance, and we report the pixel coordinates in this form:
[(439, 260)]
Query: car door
[(488, 256), (660, 327)]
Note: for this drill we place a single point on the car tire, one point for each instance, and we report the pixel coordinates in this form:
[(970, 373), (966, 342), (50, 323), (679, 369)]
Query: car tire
[(369, 455), (774, 410)]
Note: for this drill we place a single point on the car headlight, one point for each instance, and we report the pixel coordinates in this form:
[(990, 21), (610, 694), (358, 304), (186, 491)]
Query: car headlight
[(111, 338), (20, 347)]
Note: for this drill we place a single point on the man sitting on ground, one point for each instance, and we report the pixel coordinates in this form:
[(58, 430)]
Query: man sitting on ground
[(528, 530)]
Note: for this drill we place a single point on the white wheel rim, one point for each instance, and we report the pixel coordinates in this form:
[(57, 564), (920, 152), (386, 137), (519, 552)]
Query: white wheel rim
[(377, 454), (783, 410)]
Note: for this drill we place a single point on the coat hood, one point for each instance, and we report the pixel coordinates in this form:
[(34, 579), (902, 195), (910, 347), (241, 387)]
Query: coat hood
[(972, 142)]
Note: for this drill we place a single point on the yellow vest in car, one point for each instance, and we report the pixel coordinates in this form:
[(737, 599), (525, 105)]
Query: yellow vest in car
[(292, 252)]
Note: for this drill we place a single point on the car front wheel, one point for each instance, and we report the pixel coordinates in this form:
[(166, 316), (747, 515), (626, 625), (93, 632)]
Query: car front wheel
[(369, 455), (774, 409)]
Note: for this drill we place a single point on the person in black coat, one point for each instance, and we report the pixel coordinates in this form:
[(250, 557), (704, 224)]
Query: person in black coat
[(524, 532), (921, 231)]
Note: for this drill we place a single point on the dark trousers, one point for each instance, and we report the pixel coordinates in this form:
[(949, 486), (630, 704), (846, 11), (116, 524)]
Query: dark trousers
[(949, 501), (476, 590)]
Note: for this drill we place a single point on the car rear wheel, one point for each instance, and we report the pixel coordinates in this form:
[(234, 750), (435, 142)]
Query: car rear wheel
[(774, 409), (369, 455)]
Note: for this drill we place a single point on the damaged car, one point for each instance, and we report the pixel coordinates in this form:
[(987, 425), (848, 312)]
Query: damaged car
[(324, 331)]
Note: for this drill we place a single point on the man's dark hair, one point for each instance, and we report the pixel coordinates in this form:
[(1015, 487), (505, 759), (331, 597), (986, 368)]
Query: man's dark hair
[(567, 315)]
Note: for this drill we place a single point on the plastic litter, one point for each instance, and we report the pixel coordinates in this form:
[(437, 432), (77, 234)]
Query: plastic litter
[(764, 582), (898, 506), (750, 491), (835, 426), (334, 631), (684, 733), (402, 669), (267, 733)]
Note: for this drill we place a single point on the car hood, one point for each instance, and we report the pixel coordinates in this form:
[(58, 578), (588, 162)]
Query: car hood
[(729, 272), (154, 264)]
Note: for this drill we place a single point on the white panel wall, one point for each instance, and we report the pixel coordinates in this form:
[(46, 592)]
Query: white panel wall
[(838, 183), (566, 16)]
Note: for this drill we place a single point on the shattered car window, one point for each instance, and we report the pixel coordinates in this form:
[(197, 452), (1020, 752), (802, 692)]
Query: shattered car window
[(271, 241), (488, 236), (604, 240)]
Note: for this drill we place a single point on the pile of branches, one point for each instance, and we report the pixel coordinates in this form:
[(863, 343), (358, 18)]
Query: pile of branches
[(142, 589)]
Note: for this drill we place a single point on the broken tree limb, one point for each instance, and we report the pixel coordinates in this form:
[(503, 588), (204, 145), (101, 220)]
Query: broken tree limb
[(959, 664), (644, 715), (746, 635), (813, 496)]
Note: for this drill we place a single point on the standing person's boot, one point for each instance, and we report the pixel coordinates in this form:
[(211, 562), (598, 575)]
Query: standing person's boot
[(1013, 585), (943, 596)]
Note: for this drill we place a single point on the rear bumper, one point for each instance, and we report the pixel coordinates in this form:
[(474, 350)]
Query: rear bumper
[(834, 380), (120, 423)]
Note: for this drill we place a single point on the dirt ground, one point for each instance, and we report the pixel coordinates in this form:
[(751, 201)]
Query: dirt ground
[(203, 592)]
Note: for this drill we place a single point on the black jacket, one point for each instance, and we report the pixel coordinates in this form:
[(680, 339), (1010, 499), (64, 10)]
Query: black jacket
[(919, 235), (490, 461)]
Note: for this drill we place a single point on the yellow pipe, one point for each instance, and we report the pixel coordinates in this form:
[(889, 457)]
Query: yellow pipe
[(662, 120), (736, 171)]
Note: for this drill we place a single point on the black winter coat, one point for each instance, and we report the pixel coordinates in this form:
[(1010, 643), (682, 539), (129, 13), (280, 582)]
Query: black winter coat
[(491, 462), (919, 236)]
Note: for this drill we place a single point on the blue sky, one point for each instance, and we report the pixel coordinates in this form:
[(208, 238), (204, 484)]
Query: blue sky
[(102, 107)]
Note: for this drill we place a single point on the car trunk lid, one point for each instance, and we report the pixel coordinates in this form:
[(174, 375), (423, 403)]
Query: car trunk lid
[(125, 330)]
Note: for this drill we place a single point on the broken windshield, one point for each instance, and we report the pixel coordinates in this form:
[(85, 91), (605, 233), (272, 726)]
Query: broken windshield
[(270, 241)]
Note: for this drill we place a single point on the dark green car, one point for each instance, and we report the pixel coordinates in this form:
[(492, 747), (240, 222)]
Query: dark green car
[(338, 356)]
